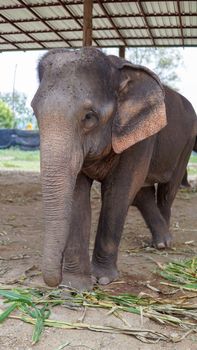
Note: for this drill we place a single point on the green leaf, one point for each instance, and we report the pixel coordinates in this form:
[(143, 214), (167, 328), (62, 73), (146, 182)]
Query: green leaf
[(39, 326), (8, 311), (41, 315), (13, 296)]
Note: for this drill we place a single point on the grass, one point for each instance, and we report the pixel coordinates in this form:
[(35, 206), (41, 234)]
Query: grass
[(15, 159), (193, 158), (192, 166)]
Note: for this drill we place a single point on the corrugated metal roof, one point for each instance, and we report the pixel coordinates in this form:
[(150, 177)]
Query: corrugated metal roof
[(188, 6), (42, 24), (169, 7), (52, 45), (128, 8)]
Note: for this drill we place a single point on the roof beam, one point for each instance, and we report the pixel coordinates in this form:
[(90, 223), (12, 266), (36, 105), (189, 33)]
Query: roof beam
[(108, 46), (75, 2), (139, 37), (180, 21), (101, 39), (101, 17), (96, 29), (112, 22), (21, 6)]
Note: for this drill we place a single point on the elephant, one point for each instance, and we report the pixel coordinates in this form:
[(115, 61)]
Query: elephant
[(103, 118)]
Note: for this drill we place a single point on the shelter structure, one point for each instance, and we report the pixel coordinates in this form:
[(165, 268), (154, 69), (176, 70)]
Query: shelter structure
[(45, 24)]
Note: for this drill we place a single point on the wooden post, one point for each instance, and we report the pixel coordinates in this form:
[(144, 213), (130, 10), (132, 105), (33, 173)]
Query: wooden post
[(87, 22), (122, 51)]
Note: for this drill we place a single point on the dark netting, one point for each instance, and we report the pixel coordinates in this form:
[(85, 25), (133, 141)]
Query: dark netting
[(26, 140)]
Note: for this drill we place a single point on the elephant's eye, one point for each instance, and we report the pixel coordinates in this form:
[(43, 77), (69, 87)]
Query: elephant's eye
[(90, 120)]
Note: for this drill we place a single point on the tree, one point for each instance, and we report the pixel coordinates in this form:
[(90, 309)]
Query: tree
[(163, 61), (6, 116), (18, 104)]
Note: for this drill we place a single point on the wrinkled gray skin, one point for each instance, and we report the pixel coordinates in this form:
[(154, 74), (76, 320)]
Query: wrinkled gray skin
[(100, 118)]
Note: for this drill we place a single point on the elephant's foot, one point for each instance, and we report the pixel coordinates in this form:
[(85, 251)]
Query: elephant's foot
[(103, 275), (162, 241), (76, 281)]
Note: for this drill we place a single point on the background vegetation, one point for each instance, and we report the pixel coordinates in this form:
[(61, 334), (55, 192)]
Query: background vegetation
[(22, 114), (6, 116), (163, 61)]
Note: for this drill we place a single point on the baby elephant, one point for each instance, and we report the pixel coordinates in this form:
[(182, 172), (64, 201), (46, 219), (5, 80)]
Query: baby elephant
[(101, 117)]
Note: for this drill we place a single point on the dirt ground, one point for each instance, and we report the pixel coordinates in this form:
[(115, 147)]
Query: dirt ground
[(21, 231)]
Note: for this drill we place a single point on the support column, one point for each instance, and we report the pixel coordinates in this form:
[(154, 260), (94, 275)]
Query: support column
[(122, 51), (87, 22)]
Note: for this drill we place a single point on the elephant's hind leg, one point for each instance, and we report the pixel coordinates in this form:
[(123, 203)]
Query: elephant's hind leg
[(76, 272), (146, 203), (167, 191)]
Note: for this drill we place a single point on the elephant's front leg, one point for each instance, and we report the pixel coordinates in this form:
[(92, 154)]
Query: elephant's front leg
[(118, 192), (76, 271)]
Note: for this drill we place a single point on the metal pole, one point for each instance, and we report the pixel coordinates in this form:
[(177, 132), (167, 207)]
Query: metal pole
[(87, 22), (13, 90), (122, 51)]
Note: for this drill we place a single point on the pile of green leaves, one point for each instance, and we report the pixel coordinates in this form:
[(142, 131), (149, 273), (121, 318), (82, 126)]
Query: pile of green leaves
[(34, 306), (182, 274)]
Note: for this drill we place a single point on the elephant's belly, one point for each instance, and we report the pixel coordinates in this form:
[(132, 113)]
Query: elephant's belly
[(158, 176)]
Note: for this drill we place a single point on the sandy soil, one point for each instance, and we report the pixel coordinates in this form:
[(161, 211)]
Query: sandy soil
[(21, 230)]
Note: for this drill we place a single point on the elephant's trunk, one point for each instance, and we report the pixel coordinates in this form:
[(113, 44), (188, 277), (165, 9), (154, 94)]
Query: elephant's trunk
[(60, 165)]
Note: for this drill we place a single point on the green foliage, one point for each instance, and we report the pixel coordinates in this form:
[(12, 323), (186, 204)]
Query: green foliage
[(182, 273), (17, 102), (163, 61), (34, 306), (6, 116)]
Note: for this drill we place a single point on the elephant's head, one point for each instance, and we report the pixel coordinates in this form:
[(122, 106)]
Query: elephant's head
[(87, 103)]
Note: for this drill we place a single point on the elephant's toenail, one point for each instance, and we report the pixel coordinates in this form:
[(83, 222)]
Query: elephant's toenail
[(104, 280), (160, 245), (94, 279)]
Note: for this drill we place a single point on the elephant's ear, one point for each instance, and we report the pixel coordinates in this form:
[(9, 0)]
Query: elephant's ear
[(140, 105)]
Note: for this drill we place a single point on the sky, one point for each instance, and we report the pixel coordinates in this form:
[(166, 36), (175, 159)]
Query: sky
[(22, 66)]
